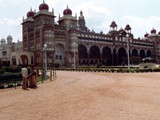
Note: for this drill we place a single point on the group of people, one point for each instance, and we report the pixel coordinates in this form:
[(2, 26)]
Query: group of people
[(29, 79)]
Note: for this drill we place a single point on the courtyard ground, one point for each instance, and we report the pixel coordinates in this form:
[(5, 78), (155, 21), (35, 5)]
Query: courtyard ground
[(86, 96)]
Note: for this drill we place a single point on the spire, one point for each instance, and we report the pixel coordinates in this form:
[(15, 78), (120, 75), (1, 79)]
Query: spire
[(81, 15), (53, 11)]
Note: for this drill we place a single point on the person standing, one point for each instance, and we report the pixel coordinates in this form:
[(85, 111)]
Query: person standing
[(25, 77), (33, 77)]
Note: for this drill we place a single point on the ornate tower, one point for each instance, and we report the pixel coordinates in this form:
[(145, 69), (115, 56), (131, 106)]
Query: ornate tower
[(9, 45), (28, 31), (67, 20), (81, 22), (38, 29)]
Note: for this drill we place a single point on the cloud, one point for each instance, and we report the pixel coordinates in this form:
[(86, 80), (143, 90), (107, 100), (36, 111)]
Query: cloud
[(142, 25), (1, 1), (10, 22), (96, 17), (12, 27)]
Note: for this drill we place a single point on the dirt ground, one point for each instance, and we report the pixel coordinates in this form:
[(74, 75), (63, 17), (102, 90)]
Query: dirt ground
[(86, 96)]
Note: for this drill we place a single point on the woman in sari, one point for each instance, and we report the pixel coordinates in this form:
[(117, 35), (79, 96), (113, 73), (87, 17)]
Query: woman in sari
[(33, 77)]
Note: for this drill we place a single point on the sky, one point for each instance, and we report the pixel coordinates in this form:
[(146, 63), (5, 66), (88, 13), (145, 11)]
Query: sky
[(141, 15)]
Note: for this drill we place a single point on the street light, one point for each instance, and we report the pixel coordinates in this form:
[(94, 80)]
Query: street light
[(74, 50), (45, 58), (128, 50)]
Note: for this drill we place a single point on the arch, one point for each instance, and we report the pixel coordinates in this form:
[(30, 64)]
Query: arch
[(134, 52), (60, 54), (114, 57), (142, 54), (107, 56), (135, 58), (95, 52), (106, 52), (82, 51), (122, 56), (59, 48), (149, 53), (24, 59)]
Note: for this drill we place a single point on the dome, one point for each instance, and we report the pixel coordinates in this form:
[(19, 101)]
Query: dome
[(113, 24), (43, 6), (159, 33), (30, 13), (9, 37), (146, 35), (127, 27), (67, 11), (3, 40), (153, 31), (122, 32)]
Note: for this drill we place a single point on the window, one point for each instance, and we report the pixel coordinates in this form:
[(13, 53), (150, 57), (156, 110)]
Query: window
[(56, 56), (60, 57)]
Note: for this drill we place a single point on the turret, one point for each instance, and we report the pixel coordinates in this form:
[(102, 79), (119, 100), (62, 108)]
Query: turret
[(9, 40)]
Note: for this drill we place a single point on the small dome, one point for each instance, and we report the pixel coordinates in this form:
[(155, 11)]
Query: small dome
[(3, 40), (113, 24), (122, 32), (146, 35), (127, 28), (67, 11), (9, 37), (81, 14), (43, 6), (30, 13), (159, 33), (153, 31)]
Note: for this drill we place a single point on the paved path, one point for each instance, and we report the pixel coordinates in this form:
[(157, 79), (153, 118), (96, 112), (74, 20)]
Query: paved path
[(86, 96)]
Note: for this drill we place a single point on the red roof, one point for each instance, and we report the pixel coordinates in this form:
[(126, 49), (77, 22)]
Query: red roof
[(43, 6), (67, 11)]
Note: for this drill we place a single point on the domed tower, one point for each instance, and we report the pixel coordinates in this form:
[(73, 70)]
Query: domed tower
[(146, 35), (113, 26), (128, 28), (67, 11), (9, 45), (67, 20), (38, 29), (43, 6), (153, 31), (81, 22), (30, 13), (3, 42), (27, 29), (9, 40)]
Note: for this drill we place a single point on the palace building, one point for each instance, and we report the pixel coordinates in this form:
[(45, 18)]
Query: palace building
[(69, 37)]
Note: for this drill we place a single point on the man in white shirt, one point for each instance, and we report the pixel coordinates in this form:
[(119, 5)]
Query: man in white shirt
[(25, 76)]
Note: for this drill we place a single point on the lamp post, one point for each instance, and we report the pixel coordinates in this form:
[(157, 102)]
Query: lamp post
[(128, 50), (45, 58), (74, 50)]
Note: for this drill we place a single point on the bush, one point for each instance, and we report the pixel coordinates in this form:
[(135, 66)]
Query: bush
[(2, 71), (55, 65), (13, 68), (98, 65)]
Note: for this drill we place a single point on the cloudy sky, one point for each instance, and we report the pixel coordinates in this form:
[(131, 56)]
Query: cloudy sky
[(142, 15)]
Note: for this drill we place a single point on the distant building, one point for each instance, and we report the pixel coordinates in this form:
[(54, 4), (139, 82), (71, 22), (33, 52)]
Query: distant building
[(70, 34), (12, 53)]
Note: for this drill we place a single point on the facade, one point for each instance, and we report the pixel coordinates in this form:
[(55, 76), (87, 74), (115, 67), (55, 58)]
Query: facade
[(69, 37), (11, 53)]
